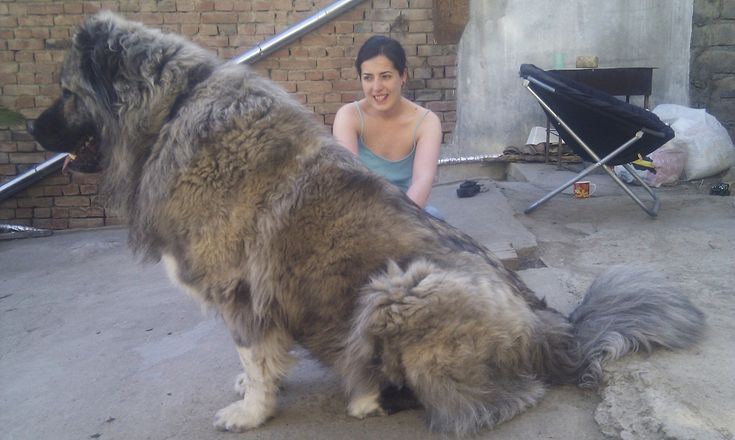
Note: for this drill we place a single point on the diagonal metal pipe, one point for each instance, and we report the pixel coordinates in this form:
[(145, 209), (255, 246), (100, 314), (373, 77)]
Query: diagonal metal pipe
[(263, 49), (32, 175), (260, 51)]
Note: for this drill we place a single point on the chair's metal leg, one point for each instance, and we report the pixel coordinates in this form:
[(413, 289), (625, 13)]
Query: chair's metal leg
[(652, 211), (547, 146), (589, 169), (558, 152)]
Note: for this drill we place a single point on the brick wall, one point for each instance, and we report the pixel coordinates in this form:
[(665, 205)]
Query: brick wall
[(713, 60), (317, 70)]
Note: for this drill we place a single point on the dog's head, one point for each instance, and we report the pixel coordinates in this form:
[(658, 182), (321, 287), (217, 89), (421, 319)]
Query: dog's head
[(74, 122), (118, 82)]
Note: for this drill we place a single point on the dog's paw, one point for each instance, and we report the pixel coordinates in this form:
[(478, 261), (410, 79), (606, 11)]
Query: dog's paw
[(365, 406), (240, 416)]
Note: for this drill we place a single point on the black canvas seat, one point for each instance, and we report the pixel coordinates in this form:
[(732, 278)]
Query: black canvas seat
[(598, 127)]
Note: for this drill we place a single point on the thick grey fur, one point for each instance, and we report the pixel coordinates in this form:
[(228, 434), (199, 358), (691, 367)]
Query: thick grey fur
[(264, 218)]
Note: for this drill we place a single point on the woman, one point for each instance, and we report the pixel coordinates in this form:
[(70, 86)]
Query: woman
[(393, 136)]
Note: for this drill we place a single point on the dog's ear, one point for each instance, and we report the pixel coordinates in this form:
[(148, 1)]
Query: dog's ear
[(101, 56)]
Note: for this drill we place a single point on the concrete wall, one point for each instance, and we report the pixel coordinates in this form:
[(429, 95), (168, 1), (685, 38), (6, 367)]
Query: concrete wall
[(494, 110)]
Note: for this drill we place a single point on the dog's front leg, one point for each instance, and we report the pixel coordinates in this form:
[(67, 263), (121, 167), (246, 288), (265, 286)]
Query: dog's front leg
[(265, 363)]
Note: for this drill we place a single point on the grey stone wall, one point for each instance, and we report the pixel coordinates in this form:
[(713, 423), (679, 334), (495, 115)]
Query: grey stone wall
[(713, 60)]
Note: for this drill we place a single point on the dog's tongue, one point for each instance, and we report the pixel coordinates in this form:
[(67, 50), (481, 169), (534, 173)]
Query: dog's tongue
[(67, 160)]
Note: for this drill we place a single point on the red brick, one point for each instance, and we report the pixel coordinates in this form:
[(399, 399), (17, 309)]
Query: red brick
[(87, 189), (27, 158), (181, 17), (73, 7), (9, 203), (221, 5), (71, 201), (7, 214), (52, 223), (218, 18), (305, 64), (56, 180), (60, 212), (84, 179), (242, 5), (27, 146), (8, 78), (212, 41), (8, 170), (25, 44), (151, 19), (343, 27), (68, 20), (8, 22), (45, 8), (261, 5), (35, 202), (42, 212), (331, 74), (185, 5), (71, 189), (287, 86), (314, 86), (314, 75), (166, 5), (442, 106), (334, 63), (52, 190)]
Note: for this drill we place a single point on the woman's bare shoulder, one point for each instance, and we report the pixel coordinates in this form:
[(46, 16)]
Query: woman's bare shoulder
[(347, 115)]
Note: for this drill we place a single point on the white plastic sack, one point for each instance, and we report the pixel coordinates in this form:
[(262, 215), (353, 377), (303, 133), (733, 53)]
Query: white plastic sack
[(709, 149), (669, 161)]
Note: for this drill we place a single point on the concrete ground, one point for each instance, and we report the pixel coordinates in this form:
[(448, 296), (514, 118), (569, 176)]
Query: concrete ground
[(94, 345)]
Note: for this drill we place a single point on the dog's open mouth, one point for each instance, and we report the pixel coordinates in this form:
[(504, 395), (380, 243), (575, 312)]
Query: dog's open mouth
[(85, 159)]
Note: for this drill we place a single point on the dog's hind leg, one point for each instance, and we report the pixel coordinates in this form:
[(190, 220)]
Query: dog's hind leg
[(265, 363)]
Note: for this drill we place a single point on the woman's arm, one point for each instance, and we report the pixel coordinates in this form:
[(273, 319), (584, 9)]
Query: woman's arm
[(346, 126), (428, 144)]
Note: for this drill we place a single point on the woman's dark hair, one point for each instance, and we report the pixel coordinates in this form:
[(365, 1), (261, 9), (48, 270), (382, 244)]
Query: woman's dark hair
[(380, 45)]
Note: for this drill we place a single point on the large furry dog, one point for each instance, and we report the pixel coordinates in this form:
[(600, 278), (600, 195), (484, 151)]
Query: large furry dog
[(258, 213)]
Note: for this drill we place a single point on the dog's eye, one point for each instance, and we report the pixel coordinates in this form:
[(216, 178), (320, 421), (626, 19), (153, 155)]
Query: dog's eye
[(66, 93)]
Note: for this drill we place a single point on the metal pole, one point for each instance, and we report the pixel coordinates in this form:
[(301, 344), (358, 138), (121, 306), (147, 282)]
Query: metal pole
[(296, 31)]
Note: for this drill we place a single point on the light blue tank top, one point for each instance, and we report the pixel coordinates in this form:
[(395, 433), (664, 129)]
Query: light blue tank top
[(399, 172)]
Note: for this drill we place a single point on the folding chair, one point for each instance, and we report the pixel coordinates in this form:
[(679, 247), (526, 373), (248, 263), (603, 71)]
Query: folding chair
[(598, 127)]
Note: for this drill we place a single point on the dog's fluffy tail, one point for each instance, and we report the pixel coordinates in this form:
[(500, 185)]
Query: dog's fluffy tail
[(475, 354), (628, 309)]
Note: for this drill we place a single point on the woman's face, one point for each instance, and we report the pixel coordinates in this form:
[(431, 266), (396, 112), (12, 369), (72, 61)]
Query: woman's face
[(381, 82)]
